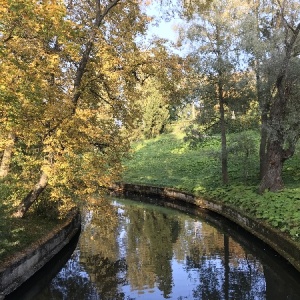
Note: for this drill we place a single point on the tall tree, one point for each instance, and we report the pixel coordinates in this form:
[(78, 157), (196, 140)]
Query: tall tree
[(28, 61), (71, 92), (271, 36), (259, 44), (74, 93), (214, 33), (155, 110), (283, 127), (84, 146)]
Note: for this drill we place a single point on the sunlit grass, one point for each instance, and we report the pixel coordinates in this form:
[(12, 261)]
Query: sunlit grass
[(167, 161)]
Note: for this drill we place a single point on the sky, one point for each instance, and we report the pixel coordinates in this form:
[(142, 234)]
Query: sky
[(163, 26)]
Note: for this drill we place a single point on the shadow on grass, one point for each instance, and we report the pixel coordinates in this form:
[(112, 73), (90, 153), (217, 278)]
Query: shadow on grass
[(168, 161), (17, 234)]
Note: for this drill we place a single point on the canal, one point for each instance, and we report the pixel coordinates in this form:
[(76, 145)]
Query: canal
[(131, 249)]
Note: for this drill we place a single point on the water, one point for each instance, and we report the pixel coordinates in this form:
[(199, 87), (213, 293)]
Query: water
[(132, 250)]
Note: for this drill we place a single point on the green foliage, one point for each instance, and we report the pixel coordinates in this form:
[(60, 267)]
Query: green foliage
[(243, 152), (197, 136), (17, 234), (243, 122), (49, 208), (154, 109), (168, 161), (281, 210)]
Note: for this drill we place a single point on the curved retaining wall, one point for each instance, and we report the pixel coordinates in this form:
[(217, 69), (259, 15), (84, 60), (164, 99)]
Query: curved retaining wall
[(274, 238), (22, 266)]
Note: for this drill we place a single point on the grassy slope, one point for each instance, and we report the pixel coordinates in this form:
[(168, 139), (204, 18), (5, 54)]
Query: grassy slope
[(167, 161)]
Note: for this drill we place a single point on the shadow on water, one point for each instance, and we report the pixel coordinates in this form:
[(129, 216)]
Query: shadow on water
[(33, 286), (130, 250), (281, 278)]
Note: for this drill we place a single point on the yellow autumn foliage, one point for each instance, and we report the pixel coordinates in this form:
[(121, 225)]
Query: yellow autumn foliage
[(68, 91)]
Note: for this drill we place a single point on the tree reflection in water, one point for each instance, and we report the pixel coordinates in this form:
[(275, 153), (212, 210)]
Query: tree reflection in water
[(130, 250)]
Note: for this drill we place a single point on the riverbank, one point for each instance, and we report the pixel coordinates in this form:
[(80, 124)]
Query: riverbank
[(20, 266), (167, 162), (282, 244)]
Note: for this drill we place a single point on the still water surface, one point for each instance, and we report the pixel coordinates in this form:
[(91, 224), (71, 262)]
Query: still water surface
[(132, 250)]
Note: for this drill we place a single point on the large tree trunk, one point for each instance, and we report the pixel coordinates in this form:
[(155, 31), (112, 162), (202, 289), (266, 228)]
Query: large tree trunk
[(263, 142), (6, 158), (32, 196), (276, 153), (272, 179)]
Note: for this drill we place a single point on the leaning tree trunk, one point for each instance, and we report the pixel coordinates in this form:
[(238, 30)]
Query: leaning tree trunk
[(32, 196), (77, 93), (6, 158)]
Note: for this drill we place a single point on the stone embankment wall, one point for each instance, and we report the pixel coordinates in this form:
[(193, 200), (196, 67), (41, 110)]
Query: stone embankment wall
[(22, 266), (274, 238)]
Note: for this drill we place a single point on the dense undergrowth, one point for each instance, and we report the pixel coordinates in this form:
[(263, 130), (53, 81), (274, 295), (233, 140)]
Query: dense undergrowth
[(168, 161)]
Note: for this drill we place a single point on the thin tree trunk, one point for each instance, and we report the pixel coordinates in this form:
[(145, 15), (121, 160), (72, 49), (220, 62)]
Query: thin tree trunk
[(263, 103), (264, 108), (224, 156), (220, 93), (6, 158), (32, 196)]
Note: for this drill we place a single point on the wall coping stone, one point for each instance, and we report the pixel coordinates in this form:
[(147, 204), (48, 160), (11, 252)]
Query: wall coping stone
[(280, 242), (19, 268)]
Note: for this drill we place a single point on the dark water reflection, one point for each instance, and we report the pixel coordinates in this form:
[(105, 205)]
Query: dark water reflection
[(132, 250)]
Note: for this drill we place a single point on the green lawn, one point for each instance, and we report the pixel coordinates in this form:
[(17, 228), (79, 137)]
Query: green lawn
[(167, 161)]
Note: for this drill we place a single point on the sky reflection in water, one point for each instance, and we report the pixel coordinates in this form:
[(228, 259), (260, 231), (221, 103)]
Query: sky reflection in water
[(130, 250)]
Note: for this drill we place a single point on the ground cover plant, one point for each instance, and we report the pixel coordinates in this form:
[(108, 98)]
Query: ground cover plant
[(168, 161)]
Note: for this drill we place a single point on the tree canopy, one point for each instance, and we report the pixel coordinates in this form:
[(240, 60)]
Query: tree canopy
[(68, 93), (245, 52), (77, 79)]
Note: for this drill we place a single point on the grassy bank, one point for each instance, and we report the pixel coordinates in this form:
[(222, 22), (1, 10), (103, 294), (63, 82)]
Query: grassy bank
[(17, 234), (168, 161)]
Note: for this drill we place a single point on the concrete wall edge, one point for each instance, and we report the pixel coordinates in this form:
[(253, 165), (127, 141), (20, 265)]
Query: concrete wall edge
[(281, 243), (25, 264)]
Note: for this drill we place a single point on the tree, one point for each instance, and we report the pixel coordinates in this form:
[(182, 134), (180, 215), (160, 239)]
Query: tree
[(28, 59), (76, 90), (155, 110), (161, 80), (283, 127), (214, 33), (72, 93), (272, 46)]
